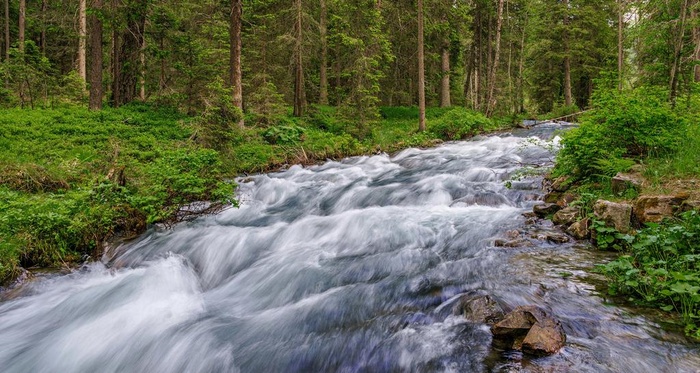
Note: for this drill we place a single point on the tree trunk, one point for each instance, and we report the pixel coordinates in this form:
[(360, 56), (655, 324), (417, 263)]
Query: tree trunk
[(299, 100), (42, 35), (126, 54), (696, 42), (323, 89), (491, 101), (235, 63), (7, 30), (620, 48), (678, 48), (421, 70), (22, 22), (445, 100), (82, 40), (142, 67), (95, 44), (567, 59)]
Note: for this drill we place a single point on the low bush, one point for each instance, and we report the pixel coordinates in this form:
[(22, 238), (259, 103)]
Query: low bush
[(661, 268), (459, 123)]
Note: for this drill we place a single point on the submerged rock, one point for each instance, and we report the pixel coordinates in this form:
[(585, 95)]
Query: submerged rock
[(617, 215), (479, 308)]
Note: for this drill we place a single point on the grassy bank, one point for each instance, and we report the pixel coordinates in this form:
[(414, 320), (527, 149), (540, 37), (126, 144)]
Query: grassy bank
[(70, 178), (659, 264)]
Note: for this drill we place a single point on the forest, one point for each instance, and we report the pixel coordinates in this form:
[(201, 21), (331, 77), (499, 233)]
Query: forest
[(117, 113)]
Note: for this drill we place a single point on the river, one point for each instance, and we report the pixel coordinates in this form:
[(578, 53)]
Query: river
[(349, 266)]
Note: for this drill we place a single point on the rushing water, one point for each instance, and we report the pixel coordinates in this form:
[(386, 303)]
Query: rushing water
[(349, 266)]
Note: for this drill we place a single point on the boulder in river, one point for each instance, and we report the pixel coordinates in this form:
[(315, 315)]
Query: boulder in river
[(530, 329), (617, 215), (653, 209), (545, 337), (566, 216), (479, 308), (545, 209)]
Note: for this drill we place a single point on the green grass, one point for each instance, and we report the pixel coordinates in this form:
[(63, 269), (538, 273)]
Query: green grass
[(58, 203)]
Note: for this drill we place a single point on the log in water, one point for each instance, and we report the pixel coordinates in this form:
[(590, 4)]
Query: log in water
[(350, 266)]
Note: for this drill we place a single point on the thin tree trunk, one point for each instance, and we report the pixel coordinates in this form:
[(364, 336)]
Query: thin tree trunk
[(521, 69), (696, 41), (678, 47), (142, 66), (445, 100), (22, 22), (299, 103), (7, 30), (477, 55), (421, 70), (567, 59), (491, 101), (323, 76), (235, 63), (42, 35), (82, 40), (620, 48), (95, 44)]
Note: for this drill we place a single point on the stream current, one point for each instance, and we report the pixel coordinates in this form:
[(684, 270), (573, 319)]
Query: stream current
[(349, 266)]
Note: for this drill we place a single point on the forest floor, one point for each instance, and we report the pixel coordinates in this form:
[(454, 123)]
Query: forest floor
[(70, 179)]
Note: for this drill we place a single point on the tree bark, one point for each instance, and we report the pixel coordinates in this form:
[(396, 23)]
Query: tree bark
[(95, 44), (7, 30), (491, 101), (22, 23), (696, 42), (568, 100), (421, 70), (323, 77), (42, 35), (445, 100), (82, 40), (678, 48), (620, 48), (126, 54), (235, 63), (299, 99)]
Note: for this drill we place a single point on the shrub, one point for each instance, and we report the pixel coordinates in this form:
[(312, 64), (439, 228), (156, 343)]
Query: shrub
[(459, 123), (622, 126)]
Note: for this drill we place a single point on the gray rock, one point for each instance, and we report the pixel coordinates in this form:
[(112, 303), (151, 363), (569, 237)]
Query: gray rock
[(566, 216), (544, 338), (545, 209), (617, 215), (622, 182), (580, 230), (479, 308), (653, 209)]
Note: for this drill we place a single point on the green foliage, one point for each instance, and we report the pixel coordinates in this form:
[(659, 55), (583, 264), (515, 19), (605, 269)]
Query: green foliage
[(217, 122), (287, 134), (459, 123), (622, 127), (69, 178), (661, 268)]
